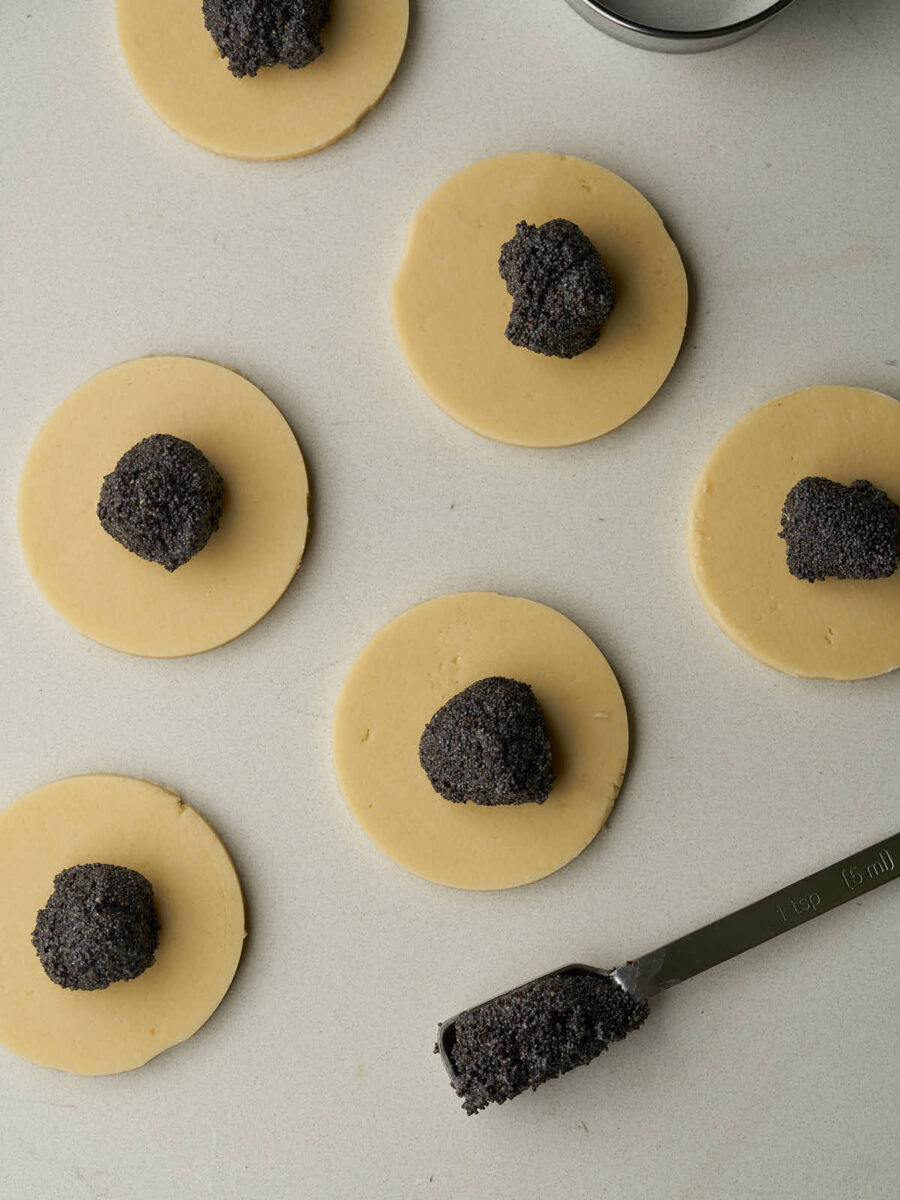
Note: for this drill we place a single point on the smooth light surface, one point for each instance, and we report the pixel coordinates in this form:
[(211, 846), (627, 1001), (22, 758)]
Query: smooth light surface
[(450, 305), (278, 113), (409, 670), (316, 1074), (196, 895), (118, 598), (830, 629)]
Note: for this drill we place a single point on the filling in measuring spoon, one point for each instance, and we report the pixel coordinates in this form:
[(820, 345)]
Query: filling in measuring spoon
[(544, 1028)]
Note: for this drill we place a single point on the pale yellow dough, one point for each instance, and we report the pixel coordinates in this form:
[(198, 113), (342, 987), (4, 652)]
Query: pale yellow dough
[(830, 629), (279, 113), (112, 595), (450, 305), (128, 823), (412, 667)]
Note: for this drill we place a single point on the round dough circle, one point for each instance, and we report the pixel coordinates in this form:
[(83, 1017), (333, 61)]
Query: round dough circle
[(112, 595), (450, 305), (129, 823), (278, 113), (414, 665), (831, 629)]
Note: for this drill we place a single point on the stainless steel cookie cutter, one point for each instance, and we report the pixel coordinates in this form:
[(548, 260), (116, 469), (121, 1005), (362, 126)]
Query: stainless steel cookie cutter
[(672, 41)]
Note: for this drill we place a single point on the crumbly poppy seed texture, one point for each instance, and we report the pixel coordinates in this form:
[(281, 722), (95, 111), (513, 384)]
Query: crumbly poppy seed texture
[(538, 1032), (263, 33), (163, 501), (489, 744), (98, 927), (839, 532), (561, 291)]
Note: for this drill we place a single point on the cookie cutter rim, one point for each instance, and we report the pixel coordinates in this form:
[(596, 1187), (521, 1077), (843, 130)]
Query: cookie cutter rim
[(673, 41)]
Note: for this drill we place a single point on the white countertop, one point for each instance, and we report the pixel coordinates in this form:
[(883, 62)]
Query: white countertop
[(774, 165)]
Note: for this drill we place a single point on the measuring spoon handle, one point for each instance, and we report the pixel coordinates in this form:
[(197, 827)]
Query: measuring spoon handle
[(757, 923)]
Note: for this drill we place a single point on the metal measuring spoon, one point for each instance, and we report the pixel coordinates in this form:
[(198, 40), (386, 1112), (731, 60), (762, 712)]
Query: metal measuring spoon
[(644, 977)]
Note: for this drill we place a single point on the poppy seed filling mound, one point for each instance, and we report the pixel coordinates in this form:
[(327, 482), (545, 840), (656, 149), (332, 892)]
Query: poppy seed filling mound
[(561, 291), (97, 928), (163, 501), (489, 744), (839, 532), (263, 33), (538, 1032)]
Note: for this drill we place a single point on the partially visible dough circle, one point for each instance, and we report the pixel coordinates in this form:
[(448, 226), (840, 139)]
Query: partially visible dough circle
[(112, 595), (279, 113), (415, 664), (129, 823), (450, 306), (831, 629)]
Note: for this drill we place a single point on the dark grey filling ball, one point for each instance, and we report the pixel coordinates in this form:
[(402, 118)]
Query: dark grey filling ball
[(163, 501), (561, 291), (97, 928), (839, 532), (539, 1032), (489, 744), (263, 33)]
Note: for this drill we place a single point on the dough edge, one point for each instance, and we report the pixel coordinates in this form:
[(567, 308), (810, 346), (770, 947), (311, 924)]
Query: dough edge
[(405, 271), (593, 805), (183, 127), (203, 835), (696, 552), (58, 595)]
